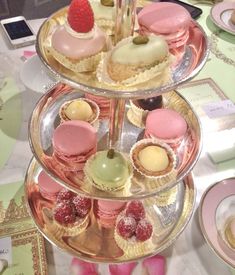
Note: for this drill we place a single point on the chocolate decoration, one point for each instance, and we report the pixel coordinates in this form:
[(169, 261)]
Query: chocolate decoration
[(151, 104)]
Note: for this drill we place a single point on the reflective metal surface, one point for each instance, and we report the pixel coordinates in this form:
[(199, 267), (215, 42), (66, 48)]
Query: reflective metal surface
[(189, 64), (45, 119), (169, 213)]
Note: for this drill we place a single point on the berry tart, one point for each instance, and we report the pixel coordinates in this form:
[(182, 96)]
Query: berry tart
[(70, 214), (133, 231)]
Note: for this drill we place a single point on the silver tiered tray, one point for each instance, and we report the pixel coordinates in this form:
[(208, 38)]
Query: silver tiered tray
[(190, 63), (170, 204), (45, 118), (170, 212)]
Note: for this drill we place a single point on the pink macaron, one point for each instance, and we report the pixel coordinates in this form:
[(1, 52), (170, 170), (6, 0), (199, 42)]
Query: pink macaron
[(74, 142), (107, 211), (166, 125), (48, 188), (169, 20)]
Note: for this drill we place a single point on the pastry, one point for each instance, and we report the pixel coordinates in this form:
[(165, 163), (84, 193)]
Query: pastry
[(48, 188), (169, 20), (104, 13), (106, 212), (139, 109), (79, 43), (166, 125), (230, 232), (136, 60), (108, 170), (133, 235), (80, 109), (70, 214), (154, 160), (102, 102), (73, 142)]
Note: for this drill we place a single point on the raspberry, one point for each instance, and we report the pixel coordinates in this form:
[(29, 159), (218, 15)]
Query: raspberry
[(126, 227), (136, 210), (64, 213), (65, 195), (82, 206), (144, 230), (80, 16)]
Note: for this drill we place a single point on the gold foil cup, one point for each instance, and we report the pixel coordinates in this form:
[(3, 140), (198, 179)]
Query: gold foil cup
[(88, 64), (93, 120), (160, 73), (137, 115), (57, 231), (161, 177), (72, 230)]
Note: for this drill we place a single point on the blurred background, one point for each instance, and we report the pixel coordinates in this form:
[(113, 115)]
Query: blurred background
[(30, 9)]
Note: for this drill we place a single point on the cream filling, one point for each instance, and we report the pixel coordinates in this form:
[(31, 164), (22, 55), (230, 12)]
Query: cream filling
[(81, 35), (155, 50)]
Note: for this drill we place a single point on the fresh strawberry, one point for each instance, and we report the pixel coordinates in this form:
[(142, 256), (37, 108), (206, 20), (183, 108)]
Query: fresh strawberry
[(80, 16)]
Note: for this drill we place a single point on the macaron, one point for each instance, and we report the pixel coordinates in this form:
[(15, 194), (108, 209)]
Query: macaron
[(106, 212), (74, 142), (166, 125), (48, 188), (169, 20)]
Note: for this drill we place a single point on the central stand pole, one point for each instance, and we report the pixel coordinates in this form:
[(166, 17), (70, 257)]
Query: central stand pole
[(117, 113), (124, 27)]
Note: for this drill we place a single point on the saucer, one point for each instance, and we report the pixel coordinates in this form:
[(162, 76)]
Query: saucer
[(212, 205), (34, 75), (221, 13)]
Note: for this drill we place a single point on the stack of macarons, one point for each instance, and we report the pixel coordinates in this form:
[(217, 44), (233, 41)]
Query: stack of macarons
[(73, 143), (106, 212), (102, 102), (169, 20)]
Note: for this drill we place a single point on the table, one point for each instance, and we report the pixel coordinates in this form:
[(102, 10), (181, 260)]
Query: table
[(190, 254)]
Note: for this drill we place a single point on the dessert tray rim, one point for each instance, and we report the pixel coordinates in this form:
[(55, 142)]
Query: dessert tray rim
[(187, 181)]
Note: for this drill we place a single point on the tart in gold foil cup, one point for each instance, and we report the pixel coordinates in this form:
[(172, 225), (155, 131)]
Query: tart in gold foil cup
[(154, 178), (59, 230), (93, 120)]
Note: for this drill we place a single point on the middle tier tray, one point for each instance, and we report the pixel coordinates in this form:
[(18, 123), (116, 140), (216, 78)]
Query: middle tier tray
[(169, 213), (45, 118)]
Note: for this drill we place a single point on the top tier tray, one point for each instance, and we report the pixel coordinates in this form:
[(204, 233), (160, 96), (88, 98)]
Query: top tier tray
[(189, 64)]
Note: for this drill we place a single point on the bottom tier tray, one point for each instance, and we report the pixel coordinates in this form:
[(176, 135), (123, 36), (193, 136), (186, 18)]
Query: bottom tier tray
[(169, 212)]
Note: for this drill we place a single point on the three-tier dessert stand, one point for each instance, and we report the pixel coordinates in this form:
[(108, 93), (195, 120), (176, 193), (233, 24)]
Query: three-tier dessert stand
[(170, 205)]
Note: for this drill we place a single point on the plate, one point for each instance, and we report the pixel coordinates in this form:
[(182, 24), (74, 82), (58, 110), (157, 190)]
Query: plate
[(34, 76), (190, 63), (170, 212), (45, 119), (212, 203), (220, 15)]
